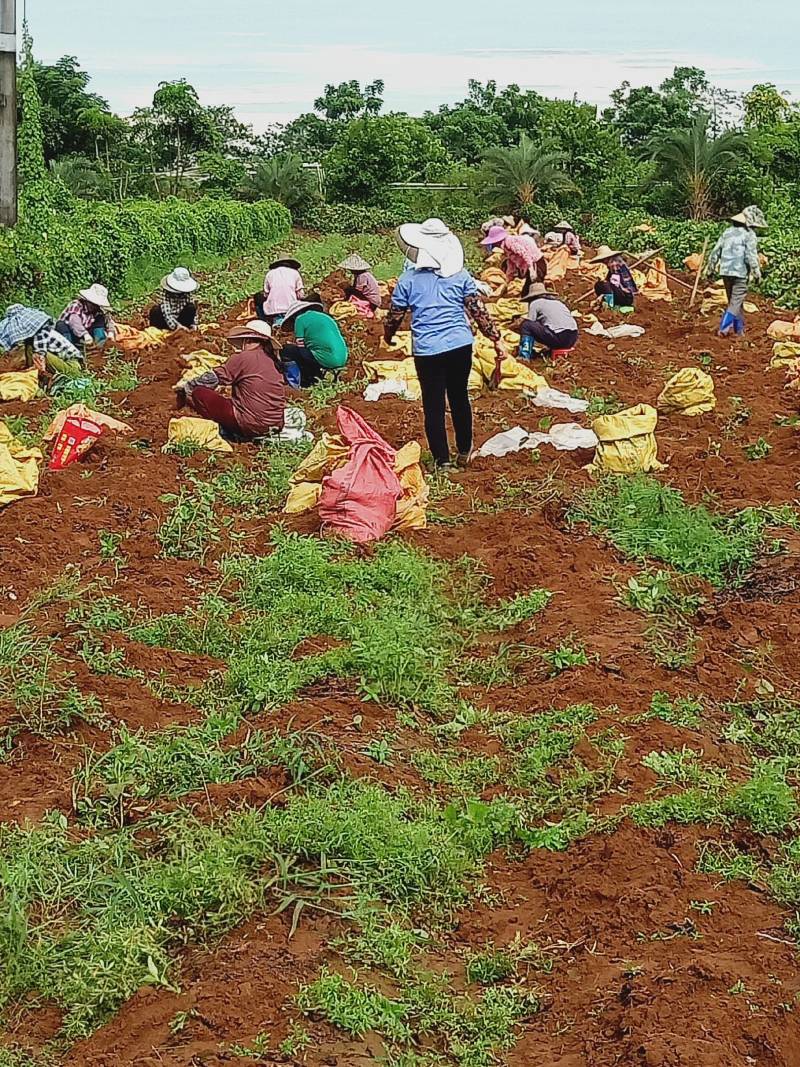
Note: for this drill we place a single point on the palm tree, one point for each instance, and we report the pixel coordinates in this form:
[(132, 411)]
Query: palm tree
[(693, 163), (518, 177), (282, 178)]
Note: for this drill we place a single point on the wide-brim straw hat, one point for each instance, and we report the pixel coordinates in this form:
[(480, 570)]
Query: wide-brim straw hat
[(534, 289), (431, 244), (495, 236), (255, 330), (740, 218), (98, 295), (563, 225), (355, 263), (180, 281), (298, 307), (293, 264), (603, 253)]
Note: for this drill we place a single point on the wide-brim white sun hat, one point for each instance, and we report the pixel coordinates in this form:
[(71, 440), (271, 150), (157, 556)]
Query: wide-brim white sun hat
[(298, 307), (433, 245), (255, 330), (180, 281), (98, 295)]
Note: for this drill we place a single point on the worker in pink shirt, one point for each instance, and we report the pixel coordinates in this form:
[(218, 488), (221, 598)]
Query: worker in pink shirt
[(283, 286)]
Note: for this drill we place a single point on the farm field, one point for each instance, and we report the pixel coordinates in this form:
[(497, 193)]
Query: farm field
[(518, 788)]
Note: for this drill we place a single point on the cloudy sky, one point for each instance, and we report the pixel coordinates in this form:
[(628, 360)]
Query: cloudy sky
[(270, 59)]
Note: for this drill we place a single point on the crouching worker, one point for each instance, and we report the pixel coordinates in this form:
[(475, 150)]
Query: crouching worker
[(88, 320), (318, 345), (365, 292), (563, 236), (45, 348), (255, 378), (175, 309), (549, 321), (619, 289)]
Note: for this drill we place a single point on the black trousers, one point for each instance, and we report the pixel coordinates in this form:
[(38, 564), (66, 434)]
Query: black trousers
[(444, 381), (186, 317), (551, 339), (310, 370)]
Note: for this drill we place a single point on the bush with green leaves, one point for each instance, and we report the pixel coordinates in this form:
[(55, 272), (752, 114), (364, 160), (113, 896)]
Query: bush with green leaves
[(103, 241)]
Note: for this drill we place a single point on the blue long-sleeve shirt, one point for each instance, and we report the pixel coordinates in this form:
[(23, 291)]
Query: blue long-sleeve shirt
[(735, 255)]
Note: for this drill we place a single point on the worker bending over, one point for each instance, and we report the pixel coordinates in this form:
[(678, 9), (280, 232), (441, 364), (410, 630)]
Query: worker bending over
[(283, 286), (45, 348), (364, 292), (563, 235), (618, 290), (87, 320), (318, 346), (549, 321)]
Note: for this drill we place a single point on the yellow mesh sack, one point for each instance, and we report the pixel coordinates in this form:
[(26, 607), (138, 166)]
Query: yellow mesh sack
[(627, 441), (689, 392)]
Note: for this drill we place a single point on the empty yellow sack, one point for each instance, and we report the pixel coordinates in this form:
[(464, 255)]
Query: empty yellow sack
[(343, 310), (202, 432), (198, 363), (689, 392), (514, 375), (504, 312), (400, 370), (19, 468), (784, 353), (19, 385), (627, 441), (497, 279), (655, 283), (402, 345), (129, 339)]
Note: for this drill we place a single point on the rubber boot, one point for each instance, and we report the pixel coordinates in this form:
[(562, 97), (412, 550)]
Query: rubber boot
[(738, 325), (727, 324)]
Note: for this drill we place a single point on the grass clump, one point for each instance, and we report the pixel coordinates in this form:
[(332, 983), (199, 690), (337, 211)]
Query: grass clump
[(683, 712), (648, 520), (190, 527)]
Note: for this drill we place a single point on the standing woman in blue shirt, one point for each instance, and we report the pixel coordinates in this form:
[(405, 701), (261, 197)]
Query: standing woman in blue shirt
[(440, 294), (735, 257)]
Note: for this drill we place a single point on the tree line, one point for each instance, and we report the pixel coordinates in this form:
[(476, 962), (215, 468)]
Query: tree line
[(683, 149)]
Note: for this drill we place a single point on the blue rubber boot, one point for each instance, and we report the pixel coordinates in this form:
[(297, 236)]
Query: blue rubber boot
[(727, 325), (738, 325)]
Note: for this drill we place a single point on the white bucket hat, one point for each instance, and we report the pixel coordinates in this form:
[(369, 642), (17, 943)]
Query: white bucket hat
[(96, 294), (431, 244), (180, 281)]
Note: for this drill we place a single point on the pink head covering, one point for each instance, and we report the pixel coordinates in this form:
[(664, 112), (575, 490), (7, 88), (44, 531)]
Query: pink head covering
[(524, 249), (496, 236)]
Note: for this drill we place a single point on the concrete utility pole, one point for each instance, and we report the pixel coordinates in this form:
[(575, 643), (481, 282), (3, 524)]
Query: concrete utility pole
[(8, 112)]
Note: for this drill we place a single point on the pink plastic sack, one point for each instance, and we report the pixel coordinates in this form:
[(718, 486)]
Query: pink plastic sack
[(359, 500)]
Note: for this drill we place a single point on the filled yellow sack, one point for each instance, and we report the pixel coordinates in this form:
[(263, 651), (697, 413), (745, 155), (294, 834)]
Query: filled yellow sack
[(694, 262), (559, 261), (495, 259), (504, 312), (19, 385), (19, 468), (129, 339), (627, 441), (689, 392), (343, 310), (202, 432), (412, 506), (329, 453), (198, 363), (400, 370), (784, 331), (784, 353)]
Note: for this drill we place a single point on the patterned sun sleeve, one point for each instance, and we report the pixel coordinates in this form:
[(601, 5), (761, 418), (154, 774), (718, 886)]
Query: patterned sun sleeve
[(394, 320), (477, 311)]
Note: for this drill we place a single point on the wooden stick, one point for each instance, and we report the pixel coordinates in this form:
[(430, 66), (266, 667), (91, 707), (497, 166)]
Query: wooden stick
[(632, 266), (699, 272)]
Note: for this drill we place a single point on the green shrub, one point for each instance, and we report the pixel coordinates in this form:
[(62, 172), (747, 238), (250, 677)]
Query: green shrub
[(101, 241)]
